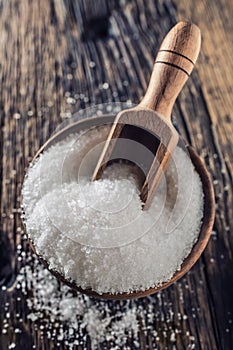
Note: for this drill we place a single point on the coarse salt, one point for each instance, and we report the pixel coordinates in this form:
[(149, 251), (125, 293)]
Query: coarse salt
[(95, 233)]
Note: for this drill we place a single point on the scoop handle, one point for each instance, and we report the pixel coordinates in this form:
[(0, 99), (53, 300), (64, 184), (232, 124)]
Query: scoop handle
[(173, 65)]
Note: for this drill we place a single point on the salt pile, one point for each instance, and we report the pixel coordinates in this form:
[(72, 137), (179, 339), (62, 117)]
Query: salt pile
[(96, 233)]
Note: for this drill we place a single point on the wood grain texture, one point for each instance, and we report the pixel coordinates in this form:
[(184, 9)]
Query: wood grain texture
[(215, 83), (49, 54)]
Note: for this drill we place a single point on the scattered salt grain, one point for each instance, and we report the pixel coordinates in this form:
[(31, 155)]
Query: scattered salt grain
[(95, 233), (17, 116), (105, 86), (17, 330), (69, 76), (173, 337), (30, 113), (92, 64), (71, 100), (50, 104)]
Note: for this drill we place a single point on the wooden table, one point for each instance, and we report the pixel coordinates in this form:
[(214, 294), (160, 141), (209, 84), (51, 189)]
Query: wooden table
[(103, 51)]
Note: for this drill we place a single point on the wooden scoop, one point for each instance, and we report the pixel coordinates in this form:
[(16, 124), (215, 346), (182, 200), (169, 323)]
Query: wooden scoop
[(173, 65)]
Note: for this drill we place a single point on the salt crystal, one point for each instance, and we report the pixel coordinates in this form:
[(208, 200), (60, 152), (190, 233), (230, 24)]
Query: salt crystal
[(30, 113), (173, 337), (49, 104), (95, 233), (92, 64), (17, 116), (105, 86), (32, 317), (69, 76), (17, 330), (71, 100)]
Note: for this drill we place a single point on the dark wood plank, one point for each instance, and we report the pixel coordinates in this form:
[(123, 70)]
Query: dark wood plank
[(214, 127), (50, 54)]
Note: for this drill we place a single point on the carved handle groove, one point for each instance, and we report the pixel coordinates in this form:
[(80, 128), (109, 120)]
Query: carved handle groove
[(173, 65)]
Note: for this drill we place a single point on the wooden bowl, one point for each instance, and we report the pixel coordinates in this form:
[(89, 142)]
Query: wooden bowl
[(205, 231)]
